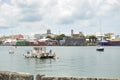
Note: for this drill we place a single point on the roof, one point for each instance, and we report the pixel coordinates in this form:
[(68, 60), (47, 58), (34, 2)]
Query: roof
[(44, 39)]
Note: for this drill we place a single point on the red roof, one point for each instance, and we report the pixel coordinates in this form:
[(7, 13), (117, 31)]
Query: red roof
[(19, 36)]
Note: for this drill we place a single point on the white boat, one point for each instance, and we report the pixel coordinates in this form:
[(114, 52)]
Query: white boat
[(100, 48), (11, 52)]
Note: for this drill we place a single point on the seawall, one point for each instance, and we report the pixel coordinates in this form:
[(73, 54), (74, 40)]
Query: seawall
[(7, 75)]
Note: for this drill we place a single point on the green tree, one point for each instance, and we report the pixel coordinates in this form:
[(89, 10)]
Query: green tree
[(48, 37), (63, 35), (0, 42), (59, 37), (92, 39)]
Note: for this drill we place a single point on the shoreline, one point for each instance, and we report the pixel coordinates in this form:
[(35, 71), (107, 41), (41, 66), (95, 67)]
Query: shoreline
[(9, 75)]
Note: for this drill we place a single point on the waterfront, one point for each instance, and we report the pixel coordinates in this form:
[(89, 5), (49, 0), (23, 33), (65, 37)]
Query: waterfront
[(70, 61)]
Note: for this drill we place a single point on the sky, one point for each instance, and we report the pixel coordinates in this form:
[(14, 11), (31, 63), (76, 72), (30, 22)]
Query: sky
[(36, 16)]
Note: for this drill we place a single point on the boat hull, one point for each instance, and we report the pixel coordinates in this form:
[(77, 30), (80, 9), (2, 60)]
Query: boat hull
[(48, 57), (100, 49), (110, 43)]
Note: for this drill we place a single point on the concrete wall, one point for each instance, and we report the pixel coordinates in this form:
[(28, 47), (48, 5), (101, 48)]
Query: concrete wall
[(7, 75), (75, 42), (39, 77)]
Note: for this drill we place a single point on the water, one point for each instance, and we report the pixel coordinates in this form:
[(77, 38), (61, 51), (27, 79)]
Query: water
[(70, 61)]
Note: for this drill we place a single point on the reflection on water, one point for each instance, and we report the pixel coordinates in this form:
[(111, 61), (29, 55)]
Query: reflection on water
[(70, 61), (44, 61)]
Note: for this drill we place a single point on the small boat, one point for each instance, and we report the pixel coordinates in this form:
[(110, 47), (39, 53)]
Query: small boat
[(11, 52), (100, 48)]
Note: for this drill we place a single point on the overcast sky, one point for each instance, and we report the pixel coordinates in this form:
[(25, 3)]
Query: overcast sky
[(36, 16)]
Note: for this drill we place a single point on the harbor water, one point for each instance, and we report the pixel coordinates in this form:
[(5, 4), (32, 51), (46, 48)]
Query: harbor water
[(72, 61)]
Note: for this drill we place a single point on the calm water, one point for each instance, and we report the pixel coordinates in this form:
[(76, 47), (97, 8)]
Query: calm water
[(70, 61)]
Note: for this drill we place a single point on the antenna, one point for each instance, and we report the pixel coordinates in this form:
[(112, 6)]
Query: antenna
[(100, 22), (59, 32)]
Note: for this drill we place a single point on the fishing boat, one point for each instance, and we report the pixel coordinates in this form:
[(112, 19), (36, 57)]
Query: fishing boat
[(40, 52)]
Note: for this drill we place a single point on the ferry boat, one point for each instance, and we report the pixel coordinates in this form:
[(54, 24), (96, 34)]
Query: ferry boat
[(40, 52)]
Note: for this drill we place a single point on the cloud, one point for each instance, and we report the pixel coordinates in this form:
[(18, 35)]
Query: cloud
[(77, 11), (62, 13), (29, 15), (6, 27), (29, 10), (8, 15)]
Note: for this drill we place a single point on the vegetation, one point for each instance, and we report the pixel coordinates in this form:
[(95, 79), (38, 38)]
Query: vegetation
[(60, 37), (92, 39), (21, 43), (0, 42), (49, 37), (63, 35)]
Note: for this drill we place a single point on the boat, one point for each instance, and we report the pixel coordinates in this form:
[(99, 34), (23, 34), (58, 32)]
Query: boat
[(11, 52), (110, 43), (40, 52), (114, 43), (100, 48), (100, 45)]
